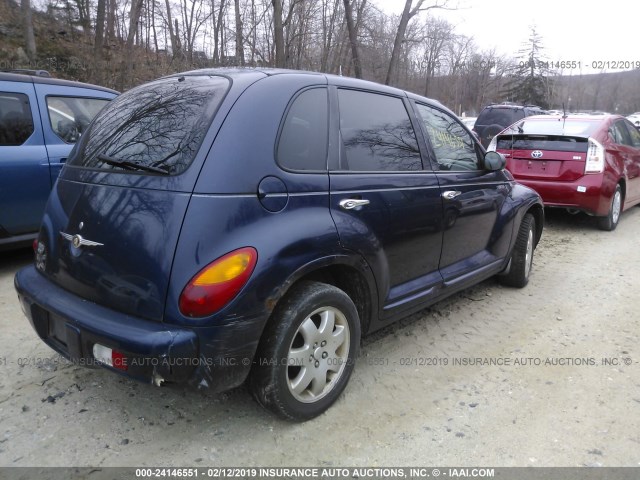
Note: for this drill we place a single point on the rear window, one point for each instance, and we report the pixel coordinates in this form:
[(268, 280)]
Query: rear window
[(541, 142), (159, 125), (499, 116)]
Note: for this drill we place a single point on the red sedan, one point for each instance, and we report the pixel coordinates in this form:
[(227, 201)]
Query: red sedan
[(578, 162)]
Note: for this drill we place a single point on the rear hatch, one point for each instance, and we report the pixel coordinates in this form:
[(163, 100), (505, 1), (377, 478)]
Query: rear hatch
[(113, 219), (544, 157)]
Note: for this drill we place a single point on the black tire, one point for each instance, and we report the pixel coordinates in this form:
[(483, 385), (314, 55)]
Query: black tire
[(294, 375), (522, 256), (610, 222)]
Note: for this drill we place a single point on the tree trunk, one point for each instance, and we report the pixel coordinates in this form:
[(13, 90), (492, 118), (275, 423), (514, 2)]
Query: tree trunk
[(29, 37), (353, 38), (278, 33), (100, 17), (239, 41), (174, 44), (134, 16), (111, 21)]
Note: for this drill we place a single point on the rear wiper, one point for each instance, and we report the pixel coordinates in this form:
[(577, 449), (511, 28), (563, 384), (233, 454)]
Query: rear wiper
[(126, 164)]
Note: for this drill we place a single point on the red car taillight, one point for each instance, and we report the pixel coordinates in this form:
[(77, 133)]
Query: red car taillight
[(595, 157), (218, 283)]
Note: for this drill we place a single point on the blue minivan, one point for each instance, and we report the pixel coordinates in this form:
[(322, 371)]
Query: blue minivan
[(40, 120), (218, 226)]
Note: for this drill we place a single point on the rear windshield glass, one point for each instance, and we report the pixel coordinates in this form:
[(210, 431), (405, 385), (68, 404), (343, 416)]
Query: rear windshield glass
[(540, 142), (499, 116), (158, 125)]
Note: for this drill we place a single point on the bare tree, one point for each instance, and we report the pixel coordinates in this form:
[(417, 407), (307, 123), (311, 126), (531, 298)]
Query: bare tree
[(408, 13), (176, 46)]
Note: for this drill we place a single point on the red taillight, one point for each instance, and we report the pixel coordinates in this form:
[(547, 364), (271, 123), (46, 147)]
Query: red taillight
[(218, 283), (35, 245)]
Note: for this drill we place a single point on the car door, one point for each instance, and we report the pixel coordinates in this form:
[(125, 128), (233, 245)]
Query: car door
[(66, 113), (385, 205), (632, 162), (474, 237), (25, 180)]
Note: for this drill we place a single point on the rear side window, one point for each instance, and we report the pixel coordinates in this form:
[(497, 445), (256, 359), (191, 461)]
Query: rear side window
[(303, 140), (70, 116), (376, 133), (16, 121), (159, 125)]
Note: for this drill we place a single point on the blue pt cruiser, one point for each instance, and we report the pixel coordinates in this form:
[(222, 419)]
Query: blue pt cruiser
[(221, 226)]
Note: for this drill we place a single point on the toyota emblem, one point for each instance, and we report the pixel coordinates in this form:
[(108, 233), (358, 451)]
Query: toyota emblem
[(536, 154)]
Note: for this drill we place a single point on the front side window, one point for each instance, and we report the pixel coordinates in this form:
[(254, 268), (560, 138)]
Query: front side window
[(303, 140), (376, 133), (16, 121), (156, 127), (452, 145), (70, 116)]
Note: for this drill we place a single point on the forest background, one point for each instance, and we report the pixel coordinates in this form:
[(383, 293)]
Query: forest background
[(122, 43)]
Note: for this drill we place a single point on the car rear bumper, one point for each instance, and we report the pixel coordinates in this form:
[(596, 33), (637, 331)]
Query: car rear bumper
[(155, 352), (588, 193)]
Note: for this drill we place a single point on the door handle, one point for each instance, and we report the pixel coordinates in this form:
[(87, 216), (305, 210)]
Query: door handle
[(350, 203), (451, 194)]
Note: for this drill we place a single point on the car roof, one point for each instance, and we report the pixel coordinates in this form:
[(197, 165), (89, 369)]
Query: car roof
[(330, 79), (19, 77), (510, 106)]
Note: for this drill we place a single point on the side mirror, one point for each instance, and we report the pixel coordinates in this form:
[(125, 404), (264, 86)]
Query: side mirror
[(494, 161)]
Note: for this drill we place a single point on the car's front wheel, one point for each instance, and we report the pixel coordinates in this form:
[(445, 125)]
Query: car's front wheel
[(522, 256), (307, 352), (610, 222)]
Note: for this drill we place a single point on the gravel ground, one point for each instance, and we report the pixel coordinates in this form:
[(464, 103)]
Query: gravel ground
[(544, 376)]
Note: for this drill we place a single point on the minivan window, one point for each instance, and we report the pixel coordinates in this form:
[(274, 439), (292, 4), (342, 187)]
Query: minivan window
[(303, 140), (376, 132), (70, 116), (452, 145), (16, 121), (158, 126)]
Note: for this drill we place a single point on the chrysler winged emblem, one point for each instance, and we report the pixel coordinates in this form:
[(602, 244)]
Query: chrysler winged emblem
[(77, 240)]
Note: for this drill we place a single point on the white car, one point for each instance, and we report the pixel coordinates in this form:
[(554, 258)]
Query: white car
[(635, 119), (468, 121)]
